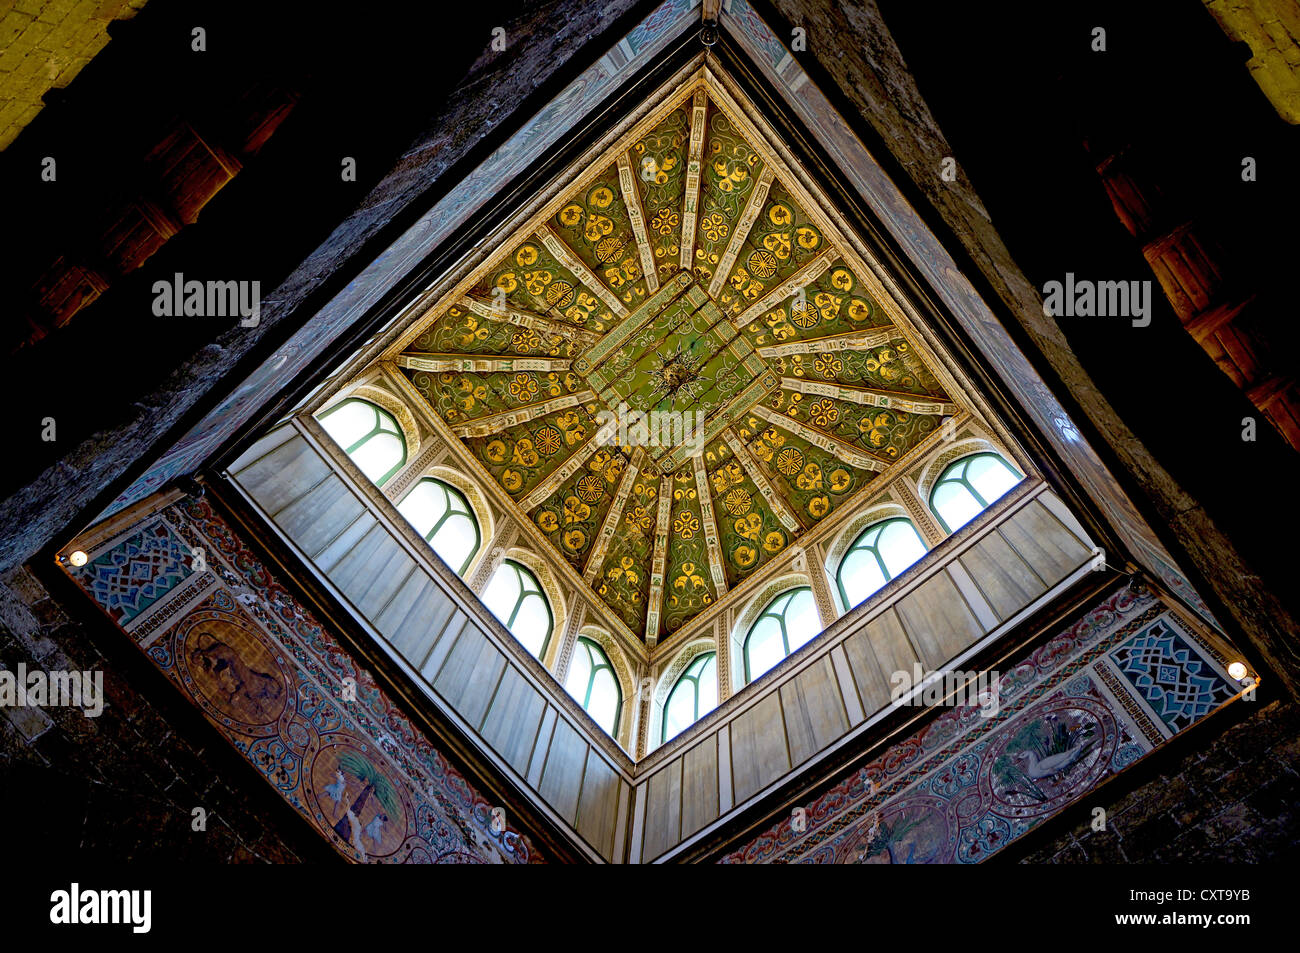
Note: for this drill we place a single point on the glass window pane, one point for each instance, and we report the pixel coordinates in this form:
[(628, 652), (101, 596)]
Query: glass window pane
[(423, 506), (708, 682), (349, 421), (579, 673), (764, 648), (456, 542), (860, 576), (502, 593), (378, 455), (603, 706), (532, 624), (955, 504), (680, 711), (801, 622), (900, 546), (990, 477)]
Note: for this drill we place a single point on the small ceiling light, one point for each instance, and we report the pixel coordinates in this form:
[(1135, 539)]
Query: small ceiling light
[(78, 558), (1237, 670)]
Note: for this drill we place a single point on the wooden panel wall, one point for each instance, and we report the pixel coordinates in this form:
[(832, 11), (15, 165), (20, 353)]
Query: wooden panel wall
[(805, 710), (461, 659), (782, 724)]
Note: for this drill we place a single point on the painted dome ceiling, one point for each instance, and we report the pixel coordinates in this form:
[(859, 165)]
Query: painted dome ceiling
[(686, 272)]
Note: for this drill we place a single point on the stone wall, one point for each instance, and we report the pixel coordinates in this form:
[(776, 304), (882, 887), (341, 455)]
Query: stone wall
[(1232, 799), (123, 786)]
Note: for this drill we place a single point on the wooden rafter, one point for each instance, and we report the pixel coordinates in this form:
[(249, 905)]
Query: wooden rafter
[(636, 216), (711, 539), (477, 363), (495, 423), (747, 219), (565, 256), (609, 526), (800, 279), (765, 488), (869, 396), (528, 319), (655, 603), (694, 172), (853, 341), (854, 456)]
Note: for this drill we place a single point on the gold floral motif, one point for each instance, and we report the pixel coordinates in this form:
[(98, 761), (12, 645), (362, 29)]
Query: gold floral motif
[(559, 294), (575, 511), (714, 226), (749, 526), (810, 478), (789, 461), (664, 221), (686, 525), (762, 263), (548, 521), (524, 455), (591, 488), (639, 520), (523, 388), (828, 365), (626, 570), (824, 413), (738, 502)]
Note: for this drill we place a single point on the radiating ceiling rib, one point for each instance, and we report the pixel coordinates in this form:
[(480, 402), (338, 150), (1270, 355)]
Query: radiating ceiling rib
[(691, 195), (609, 526), (741, 231), (636, 216), (869, 396), (800, 279), (495, 423), (527, 319)]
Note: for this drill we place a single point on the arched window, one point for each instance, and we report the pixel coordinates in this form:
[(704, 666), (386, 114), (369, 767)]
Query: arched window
[(881, 552), (441, 514), (694, 695), (593, 683), (368, 435), (789, 621), (515, 597), (969, 486)]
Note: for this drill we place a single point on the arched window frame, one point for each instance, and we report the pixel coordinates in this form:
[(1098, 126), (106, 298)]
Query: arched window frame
[(963, 463), (451, 494), (692, 674), (599, 660), (877, 528), (538, 590), (780, 617), (382, 416)]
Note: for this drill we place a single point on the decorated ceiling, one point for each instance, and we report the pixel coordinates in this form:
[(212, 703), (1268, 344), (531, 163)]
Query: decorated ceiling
[(687, 277)]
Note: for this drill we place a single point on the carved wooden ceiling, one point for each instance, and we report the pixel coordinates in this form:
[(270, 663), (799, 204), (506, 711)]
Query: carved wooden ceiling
[(688, 271)]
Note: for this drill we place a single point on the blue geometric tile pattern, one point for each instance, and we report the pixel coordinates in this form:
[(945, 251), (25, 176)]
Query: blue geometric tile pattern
[(1172, 677), (136, 573)]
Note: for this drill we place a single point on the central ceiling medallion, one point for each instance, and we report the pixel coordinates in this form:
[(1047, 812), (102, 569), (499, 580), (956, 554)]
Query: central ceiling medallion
[(689, 279)]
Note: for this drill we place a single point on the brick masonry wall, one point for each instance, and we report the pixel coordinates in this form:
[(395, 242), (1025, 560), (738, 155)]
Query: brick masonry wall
[(123, 786), (43, 45), (1236, 799)]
